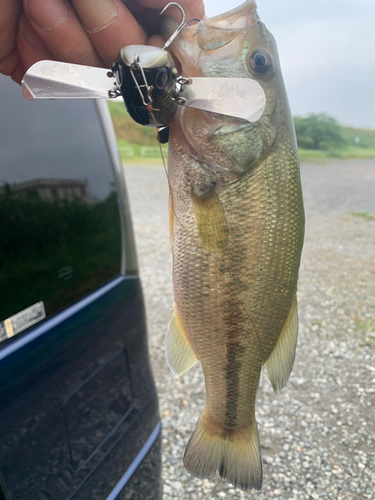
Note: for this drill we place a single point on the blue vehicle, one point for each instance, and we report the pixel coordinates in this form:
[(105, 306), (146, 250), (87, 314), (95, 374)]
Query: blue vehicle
[(79, 414)]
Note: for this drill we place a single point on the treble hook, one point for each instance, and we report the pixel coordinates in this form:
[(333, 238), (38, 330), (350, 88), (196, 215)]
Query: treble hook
[(181, 26)]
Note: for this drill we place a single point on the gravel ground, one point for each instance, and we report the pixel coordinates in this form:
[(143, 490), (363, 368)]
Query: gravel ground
[(318, 434)]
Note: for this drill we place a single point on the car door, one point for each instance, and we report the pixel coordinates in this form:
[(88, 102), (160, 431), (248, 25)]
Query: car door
[(78, 407)]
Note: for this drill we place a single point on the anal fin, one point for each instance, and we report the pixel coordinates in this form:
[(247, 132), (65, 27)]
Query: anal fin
[(280, 362), (178, 351)]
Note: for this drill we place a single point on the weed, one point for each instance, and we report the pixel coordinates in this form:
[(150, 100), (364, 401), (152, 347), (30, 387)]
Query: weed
[(363, 215), (368, 326)]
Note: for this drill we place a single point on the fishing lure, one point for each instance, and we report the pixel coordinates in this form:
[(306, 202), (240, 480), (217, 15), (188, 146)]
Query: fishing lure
[(150, 85)]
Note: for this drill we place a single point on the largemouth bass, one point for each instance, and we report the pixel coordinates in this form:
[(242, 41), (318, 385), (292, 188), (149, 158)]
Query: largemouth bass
[(237, 226)]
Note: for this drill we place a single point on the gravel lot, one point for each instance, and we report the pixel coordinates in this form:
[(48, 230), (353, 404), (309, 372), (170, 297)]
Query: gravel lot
[(318, 434)]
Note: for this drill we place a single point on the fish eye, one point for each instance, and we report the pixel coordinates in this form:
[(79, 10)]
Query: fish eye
[(162, 77), (260, 61)]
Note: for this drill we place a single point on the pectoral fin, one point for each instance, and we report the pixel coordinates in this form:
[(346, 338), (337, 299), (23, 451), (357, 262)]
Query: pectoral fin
[(211, 221), (280, 362), (178, 351)]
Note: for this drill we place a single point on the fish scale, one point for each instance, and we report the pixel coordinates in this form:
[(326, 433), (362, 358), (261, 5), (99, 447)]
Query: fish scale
[(237, 230)]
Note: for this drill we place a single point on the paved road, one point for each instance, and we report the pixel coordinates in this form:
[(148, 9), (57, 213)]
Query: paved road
[(317, 435), (339, 186)]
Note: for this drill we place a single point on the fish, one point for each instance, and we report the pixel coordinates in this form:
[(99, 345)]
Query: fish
[(236, 222)]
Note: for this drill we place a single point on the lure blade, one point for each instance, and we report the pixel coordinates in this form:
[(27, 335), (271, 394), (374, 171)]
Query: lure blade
[(236, 97), (59, 80)]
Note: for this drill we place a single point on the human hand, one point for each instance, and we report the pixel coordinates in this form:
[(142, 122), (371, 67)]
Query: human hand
[(88, 32)]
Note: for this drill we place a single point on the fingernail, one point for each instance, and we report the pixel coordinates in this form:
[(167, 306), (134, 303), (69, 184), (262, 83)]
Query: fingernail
[(47, 14), (29, 35), (96, 14)]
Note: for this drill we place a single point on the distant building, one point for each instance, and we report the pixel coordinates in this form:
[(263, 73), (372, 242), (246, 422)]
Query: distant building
[(53, 189)]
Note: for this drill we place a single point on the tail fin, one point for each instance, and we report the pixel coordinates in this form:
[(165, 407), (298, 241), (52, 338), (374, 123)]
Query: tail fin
[(236, 457)]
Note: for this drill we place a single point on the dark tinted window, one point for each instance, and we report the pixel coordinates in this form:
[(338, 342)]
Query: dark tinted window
[(59, 218)]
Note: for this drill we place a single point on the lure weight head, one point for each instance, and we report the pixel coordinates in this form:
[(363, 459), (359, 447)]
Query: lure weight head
[(146, 77)]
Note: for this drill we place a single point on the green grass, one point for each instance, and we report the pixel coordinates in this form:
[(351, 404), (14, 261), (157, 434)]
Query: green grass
[(136, 143), (368, 326), (130, 152), (312, 154), (128, 130), (347, 152), (356, 152), (363, 215)]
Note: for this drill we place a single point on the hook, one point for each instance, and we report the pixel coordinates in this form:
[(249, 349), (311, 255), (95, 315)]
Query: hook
[(177, 5), (181, 26)]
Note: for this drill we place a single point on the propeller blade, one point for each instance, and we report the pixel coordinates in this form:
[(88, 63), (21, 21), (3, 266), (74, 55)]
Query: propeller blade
[(237, 97), (59, 80)]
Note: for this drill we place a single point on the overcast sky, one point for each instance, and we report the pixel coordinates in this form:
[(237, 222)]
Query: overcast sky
[(327, 53)]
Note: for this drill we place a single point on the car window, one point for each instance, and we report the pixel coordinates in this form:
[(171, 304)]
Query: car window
[(59, 216)]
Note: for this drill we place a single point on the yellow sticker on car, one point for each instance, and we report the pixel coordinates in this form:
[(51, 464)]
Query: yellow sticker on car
[(22, 320)]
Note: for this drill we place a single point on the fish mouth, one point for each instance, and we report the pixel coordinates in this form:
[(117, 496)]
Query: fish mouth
[(213, 32), (237, 18), (216, 32)]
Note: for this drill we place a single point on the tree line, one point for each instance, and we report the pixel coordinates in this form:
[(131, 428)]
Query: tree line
[(322, 132)]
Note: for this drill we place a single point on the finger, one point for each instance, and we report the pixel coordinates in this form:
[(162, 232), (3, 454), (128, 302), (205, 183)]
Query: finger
[(56, 23), (9, 14), (30, 46), (18, 73), (192, 8), (110, 26), (156, 41), (9, 63), (147, 18)]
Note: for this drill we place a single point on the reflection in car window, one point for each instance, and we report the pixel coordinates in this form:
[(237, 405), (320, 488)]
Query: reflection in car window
[(59, 217)]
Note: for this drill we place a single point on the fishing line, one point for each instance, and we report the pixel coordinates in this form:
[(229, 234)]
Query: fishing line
[(170, 187)]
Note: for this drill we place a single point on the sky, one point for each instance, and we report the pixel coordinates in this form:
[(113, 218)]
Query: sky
[(327, 54)]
